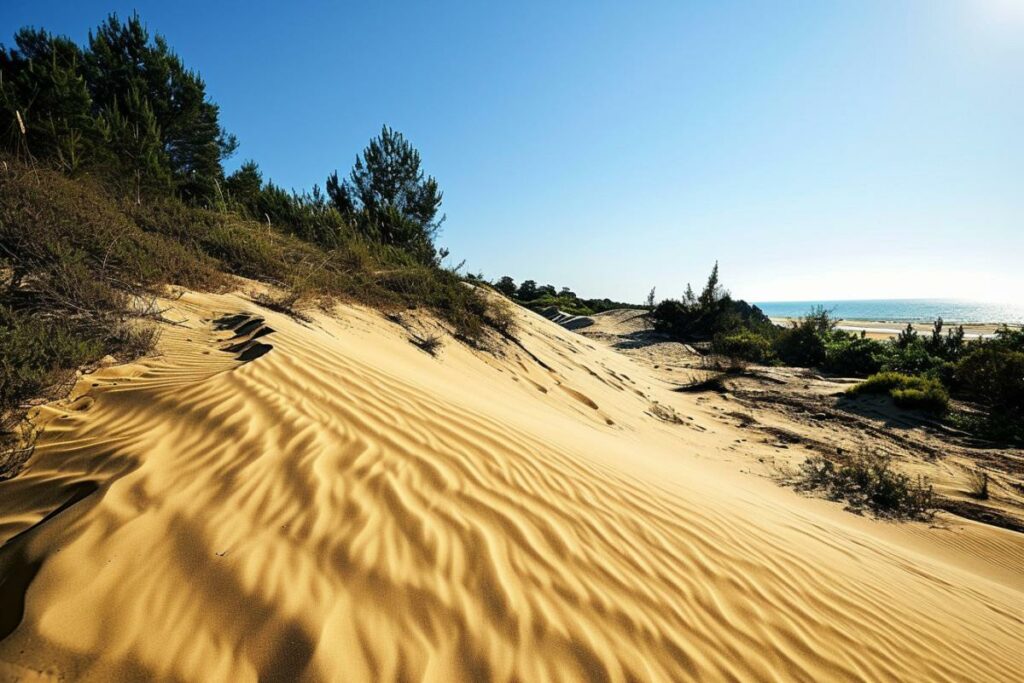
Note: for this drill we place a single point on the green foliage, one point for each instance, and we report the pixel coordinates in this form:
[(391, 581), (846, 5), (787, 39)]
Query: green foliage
[(537, 298), (44, 85), (125, 108), (910, 358), (388, 196), (745, 345), (1010, 339), (851, 355), (868, 481), (527, 291), (949, 347), (908, 337), (713, 313), (506, 286), (70, 243), (800, 345), (993, 375), (933, 398), (994, 426), (70, 236), (33, 352), (123, 63), (907, 391)]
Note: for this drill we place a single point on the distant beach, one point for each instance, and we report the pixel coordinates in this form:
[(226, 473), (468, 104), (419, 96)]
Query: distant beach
[(884, 330), (898, 312)]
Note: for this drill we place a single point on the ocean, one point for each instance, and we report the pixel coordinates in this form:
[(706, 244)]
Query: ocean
[(902, 310)]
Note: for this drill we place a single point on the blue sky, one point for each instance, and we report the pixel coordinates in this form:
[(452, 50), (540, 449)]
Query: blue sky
[(847, 149)]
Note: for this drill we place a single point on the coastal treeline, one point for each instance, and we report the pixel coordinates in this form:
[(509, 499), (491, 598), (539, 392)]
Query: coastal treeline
[(538, 297), (918, 369), (113, 185)]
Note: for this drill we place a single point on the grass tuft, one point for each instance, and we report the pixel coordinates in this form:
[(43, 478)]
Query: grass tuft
[(978, 484), (868, 481), (908, 391)]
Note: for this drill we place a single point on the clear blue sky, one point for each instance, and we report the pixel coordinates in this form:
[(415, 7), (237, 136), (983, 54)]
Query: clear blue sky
[(848, 149)]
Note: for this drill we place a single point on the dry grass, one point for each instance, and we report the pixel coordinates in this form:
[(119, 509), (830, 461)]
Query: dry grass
[(977, 484), (868, 481)]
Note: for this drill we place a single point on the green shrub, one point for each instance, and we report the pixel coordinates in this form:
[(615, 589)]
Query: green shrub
[(707, 315), (994, 376), (850, 355), (745, 345), (933, 398), (49, 222), (570, 305), (907, 391), (869, 481), (800, 346), (882, 383), (33, 351), (911, 358)]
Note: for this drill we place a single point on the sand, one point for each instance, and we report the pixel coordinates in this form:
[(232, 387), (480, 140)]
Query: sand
[(346, 506), (877, 329)]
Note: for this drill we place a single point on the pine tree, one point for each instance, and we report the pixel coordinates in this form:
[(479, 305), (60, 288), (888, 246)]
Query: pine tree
[(243, 189), (43, 89), (124, 88), (132, 136), (527, 291), (388, 196), (689, 298), (122, 62), (712, 290), (907, 337), (506, 286)]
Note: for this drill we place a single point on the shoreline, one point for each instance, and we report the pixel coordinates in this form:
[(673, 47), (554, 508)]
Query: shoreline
[(885, 329)]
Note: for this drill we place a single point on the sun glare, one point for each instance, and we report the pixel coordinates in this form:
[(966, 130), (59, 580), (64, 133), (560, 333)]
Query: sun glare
[(1003, 13)]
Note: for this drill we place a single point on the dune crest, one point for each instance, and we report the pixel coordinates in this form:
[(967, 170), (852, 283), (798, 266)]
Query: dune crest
[(327, 501)]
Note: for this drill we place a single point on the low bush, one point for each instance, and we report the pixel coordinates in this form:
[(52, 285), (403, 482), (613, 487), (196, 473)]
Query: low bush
[(868, 481), (932, 399), (800, 345), (994, 376), (911, 358), (34, 351), (710, 314), (744, 344), (906, 390), (978, 483), (850, 355)]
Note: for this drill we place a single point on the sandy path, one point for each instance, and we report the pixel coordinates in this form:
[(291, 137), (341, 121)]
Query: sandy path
[(347, 507)]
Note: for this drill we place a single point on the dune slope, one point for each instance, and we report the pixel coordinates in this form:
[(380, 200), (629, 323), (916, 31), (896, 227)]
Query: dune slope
[(327, 501)]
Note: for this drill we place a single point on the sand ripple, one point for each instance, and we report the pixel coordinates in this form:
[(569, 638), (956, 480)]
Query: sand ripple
[(341, 508)]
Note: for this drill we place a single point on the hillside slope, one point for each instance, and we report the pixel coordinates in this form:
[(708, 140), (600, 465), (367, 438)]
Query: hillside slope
[(331, 502)]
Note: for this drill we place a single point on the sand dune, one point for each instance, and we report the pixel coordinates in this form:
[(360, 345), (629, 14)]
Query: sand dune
[(343, 506)]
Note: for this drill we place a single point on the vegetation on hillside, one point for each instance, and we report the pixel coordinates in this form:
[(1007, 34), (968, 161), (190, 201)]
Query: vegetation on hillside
[(713, 313), (112, 186), (868, 481), (918, 371), (538, 297)]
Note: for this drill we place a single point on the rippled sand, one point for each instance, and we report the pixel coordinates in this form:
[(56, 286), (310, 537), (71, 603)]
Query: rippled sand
[(346, 507)]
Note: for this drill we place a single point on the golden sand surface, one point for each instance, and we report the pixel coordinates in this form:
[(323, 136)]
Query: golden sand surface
[(347, 507)]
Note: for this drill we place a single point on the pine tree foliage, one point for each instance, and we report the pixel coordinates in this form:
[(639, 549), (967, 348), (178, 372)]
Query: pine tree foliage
[(389, 197), (125, 108), (43, 90)]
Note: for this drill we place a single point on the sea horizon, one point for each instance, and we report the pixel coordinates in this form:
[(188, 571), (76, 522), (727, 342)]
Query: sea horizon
[(952, 311)]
